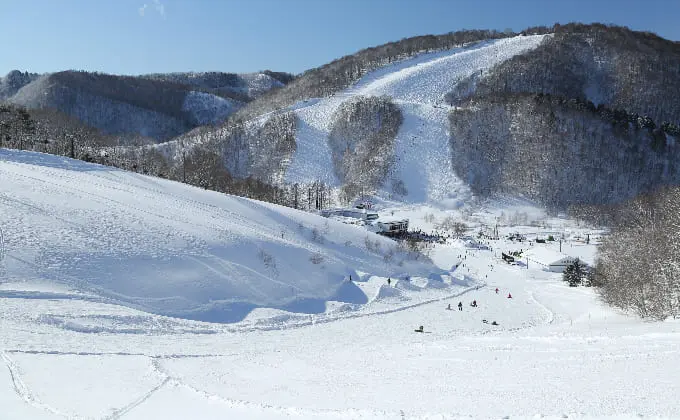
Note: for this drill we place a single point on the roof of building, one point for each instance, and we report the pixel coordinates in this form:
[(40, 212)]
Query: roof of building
[(392, 219), (545, 255)]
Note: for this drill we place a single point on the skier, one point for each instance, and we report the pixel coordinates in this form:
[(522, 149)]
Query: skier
[(496, 290), (420, 329), (389, 281), (449, 307), (474, 304), (509, 296), (460, 306)]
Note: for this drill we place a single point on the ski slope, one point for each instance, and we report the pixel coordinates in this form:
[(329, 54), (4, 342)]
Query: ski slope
[(106, 235), (107, 279), (417, 86), (556, 353)]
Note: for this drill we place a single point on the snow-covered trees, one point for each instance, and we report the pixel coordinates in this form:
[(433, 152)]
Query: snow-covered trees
[(611, 65), (272, 148), (362, 143), (48, 131), (559, 151), (638, 266), (13, 81)]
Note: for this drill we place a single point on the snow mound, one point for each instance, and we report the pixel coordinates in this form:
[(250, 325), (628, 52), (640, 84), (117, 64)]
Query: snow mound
[(171, 249)]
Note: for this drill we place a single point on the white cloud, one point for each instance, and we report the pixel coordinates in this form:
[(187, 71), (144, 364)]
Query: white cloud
[(157, 5), (160, 8)]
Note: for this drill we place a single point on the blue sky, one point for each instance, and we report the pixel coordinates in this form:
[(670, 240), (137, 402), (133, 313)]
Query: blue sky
[(145, 36)]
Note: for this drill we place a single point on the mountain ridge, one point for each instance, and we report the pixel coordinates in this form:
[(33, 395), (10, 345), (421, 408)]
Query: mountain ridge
[(160, 106)]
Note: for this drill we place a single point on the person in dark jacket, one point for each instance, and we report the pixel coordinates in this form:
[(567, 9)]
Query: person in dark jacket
[(460, 306)]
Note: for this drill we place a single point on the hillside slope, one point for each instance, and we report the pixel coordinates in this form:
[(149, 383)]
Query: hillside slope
[(167, 248), (417, 86), (558, 98), (589, 117), (608, 65)]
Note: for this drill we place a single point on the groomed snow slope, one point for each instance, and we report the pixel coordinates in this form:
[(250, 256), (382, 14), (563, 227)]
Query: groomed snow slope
[(557, 353), (418, 86), (171, 249)]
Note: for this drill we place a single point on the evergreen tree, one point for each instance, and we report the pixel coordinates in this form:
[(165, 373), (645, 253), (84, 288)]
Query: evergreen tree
[(574, 274)]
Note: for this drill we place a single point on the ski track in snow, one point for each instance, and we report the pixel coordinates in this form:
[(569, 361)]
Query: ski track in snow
[(551, 315), (177, 381), (117, 414), (22, 390)]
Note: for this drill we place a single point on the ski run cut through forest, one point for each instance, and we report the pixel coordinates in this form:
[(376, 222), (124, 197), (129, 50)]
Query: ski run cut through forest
[(126, 296)]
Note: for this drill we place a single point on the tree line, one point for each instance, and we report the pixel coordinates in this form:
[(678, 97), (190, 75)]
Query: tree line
[(53, 132)]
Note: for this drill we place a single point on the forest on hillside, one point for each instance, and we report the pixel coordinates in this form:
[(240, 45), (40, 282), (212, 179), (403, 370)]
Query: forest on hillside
[(560, 152), (608, 65), (362, 144)]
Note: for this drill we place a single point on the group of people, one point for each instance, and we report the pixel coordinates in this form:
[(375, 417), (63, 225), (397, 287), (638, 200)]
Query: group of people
[(460, 305), (472, 304)]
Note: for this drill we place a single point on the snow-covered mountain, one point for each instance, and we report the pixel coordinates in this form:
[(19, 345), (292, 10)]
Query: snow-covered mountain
[(420, 156), (159, 106), (469, 119), (417, 86), (243, 87)]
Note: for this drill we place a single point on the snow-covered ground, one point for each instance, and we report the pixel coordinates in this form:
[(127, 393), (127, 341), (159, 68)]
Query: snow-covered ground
[(93, 257), (110, 236), (417, 86)]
